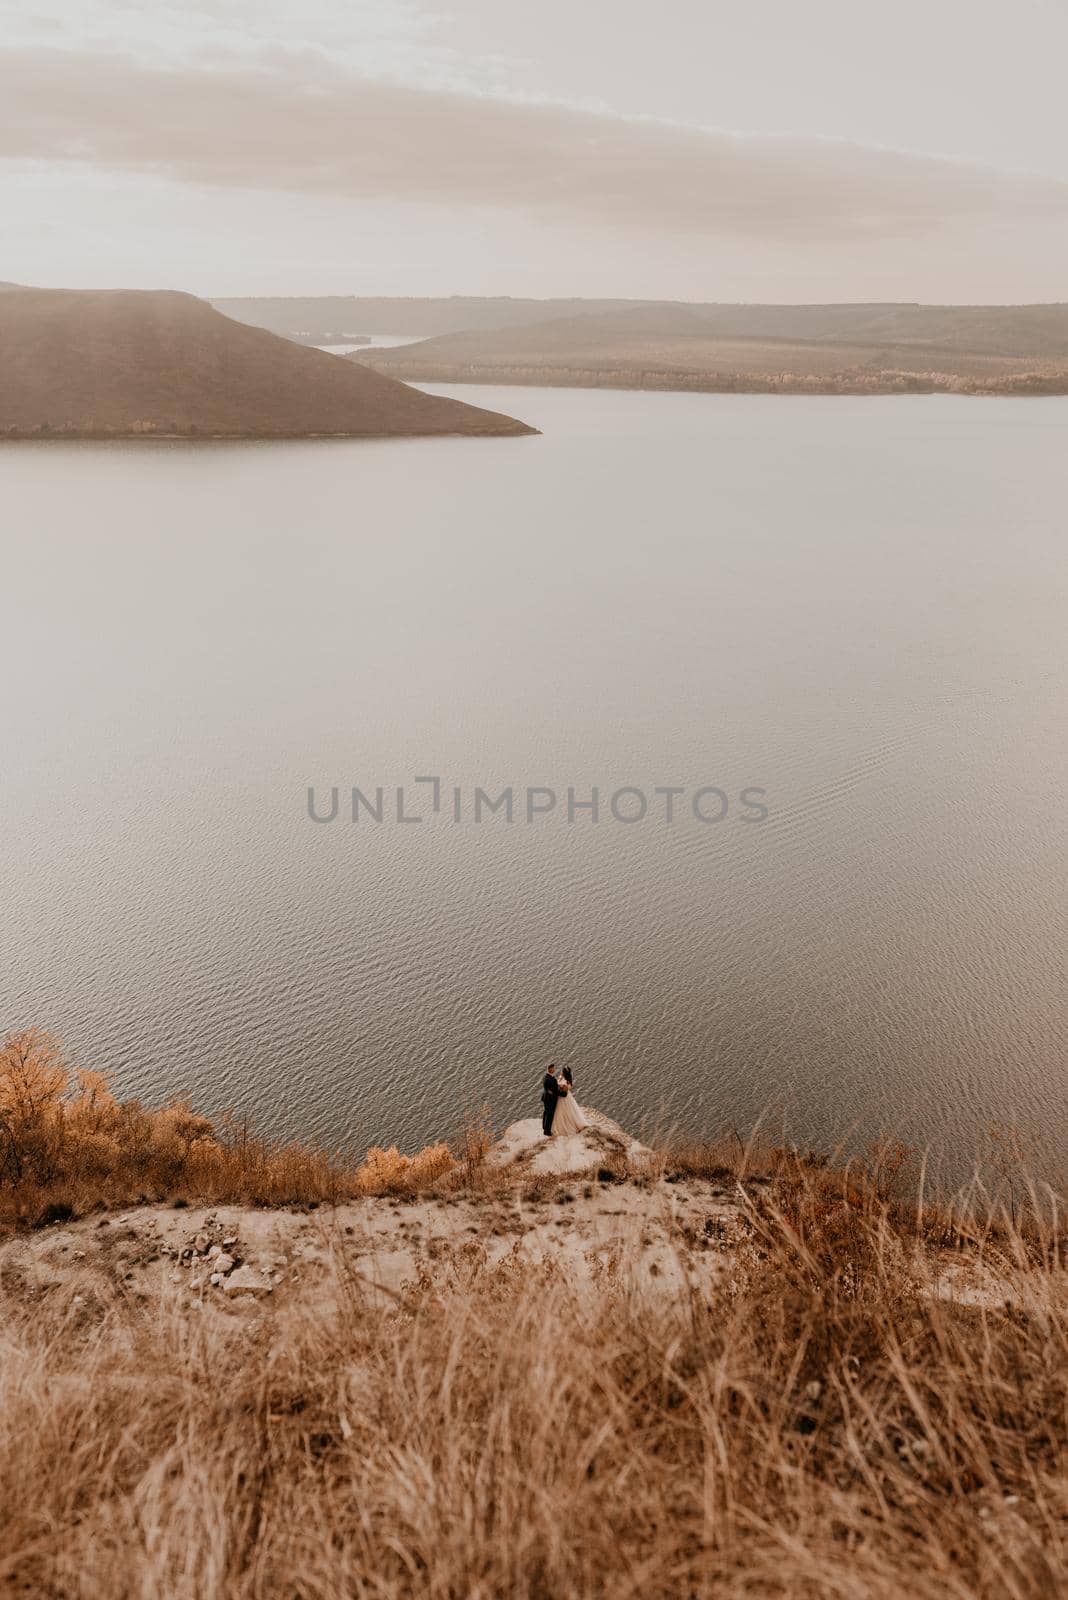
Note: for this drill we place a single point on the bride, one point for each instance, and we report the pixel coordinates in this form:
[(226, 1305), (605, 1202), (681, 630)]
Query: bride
[(568, 1117)]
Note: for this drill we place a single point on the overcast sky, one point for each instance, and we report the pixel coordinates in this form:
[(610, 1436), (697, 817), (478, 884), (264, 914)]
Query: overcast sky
[(757, 150)]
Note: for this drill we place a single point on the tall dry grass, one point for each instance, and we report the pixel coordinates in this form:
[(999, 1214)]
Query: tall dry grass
[(819, 1423), (820, 1426)]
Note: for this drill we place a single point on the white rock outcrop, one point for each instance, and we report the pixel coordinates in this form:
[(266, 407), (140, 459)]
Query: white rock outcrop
[(524, 1146)]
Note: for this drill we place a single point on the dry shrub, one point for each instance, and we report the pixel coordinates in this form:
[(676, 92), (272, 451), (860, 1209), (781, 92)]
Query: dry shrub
[(67, 1142), (389, 1172), (474, 1142)]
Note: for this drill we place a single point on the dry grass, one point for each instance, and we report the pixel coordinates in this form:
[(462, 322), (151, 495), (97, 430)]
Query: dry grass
[(67, 1146), (823, 1425)]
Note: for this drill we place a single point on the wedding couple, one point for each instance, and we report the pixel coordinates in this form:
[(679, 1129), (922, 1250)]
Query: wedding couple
[(561, 1112)]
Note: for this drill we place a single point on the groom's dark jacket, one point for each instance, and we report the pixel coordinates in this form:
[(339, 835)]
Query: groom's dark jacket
[(550, 1094)]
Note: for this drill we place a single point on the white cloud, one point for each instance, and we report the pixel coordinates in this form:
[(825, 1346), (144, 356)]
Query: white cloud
[(306, 127)]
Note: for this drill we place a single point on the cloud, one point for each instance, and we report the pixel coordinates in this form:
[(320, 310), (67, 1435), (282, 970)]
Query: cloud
[(303, 126)]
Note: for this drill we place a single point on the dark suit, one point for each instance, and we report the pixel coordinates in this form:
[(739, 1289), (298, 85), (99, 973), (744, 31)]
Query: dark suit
[(550, 1094)]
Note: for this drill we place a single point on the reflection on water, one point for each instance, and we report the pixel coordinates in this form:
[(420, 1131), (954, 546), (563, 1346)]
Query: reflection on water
[(374, 340), (856, 605)]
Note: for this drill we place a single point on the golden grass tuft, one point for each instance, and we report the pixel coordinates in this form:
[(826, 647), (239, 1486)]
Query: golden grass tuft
[(389, 1172)]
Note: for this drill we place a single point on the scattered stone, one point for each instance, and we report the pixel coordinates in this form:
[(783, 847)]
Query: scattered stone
[(228, 1244), (246, 1280), (224, 1263), (215, 1279), (200, 1243), (813, 1390)]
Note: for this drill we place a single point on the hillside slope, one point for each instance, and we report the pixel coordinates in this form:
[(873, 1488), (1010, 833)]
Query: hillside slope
[(127, 362)]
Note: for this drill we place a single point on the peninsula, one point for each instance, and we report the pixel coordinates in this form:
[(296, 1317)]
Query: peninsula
[(128, 363)]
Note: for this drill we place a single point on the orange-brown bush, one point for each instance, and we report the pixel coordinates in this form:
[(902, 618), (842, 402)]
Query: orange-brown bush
[(66, 1144), (389, 1172)]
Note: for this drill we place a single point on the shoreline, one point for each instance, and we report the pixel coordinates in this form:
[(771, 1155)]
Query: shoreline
[(1023, 386)]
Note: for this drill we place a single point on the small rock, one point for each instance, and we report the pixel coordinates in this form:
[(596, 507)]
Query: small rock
[(224, 1263), (228, 1243), (215, 1279), (246, 1280), (813, 1390), (200, 1243)]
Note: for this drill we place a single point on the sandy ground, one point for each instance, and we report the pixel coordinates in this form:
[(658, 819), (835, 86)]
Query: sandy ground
[(683, 1233), (653, 1236)]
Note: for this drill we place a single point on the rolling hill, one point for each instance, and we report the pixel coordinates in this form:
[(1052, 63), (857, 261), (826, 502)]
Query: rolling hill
[(88, 363), (822, 349), (825, 349), (315, 316)]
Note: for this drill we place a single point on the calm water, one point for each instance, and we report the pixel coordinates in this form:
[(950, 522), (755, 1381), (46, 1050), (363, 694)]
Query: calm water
[(857, 606)]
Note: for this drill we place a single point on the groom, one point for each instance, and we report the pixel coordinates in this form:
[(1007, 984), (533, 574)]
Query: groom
[(550, 1094)]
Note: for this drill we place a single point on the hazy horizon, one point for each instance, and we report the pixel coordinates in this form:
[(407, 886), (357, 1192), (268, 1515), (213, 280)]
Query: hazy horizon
[(392, 148)]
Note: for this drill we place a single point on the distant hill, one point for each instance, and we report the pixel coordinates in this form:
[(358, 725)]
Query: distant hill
[(316, 315), (825, 349), (130, 362), (1039, 331)]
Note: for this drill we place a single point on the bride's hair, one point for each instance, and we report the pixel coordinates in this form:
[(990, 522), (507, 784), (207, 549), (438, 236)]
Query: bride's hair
[(567, 1076)]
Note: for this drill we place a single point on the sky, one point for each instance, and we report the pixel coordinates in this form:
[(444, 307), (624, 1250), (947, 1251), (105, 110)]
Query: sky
[(756, 150)]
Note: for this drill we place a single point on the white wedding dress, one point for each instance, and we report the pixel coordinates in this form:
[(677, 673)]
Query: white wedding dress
[(568, 1117)]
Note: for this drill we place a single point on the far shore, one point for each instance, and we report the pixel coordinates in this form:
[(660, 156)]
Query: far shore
[(1016, 386)]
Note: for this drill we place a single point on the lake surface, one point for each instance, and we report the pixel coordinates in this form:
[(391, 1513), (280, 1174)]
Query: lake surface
[(857, 606)]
